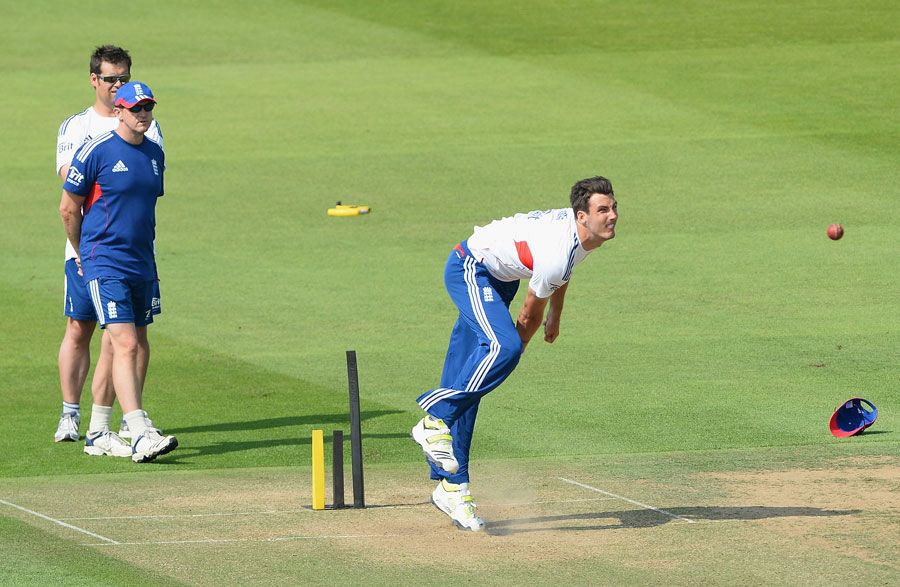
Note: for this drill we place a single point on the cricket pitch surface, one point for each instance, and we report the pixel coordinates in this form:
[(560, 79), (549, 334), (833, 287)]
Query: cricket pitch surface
[(770, 516)]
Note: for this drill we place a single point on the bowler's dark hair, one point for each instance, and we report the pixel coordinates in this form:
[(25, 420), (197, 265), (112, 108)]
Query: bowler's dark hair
[(110, 54), (584, 189)]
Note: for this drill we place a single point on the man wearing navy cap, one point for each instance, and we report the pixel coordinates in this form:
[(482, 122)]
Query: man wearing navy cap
[(115, 179), (110, 69)]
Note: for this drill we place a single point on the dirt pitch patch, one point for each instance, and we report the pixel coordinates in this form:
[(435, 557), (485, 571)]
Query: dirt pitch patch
[(580, 520)]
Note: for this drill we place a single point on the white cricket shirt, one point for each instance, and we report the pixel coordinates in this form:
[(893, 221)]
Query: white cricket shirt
[(541, 246)]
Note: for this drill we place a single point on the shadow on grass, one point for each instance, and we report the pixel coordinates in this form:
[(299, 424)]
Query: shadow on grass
[(190, 448), (651, 518), (310, 420), (233, 446)]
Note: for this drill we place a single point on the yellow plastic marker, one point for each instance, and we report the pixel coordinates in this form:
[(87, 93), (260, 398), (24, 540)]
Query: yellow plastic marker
[(318, 470), (348, 210)]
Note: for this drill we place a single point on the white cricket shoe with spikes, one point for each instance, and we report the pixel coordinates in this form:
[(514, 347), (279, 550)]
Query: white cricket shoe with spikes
[(458, 503), (151, 444), (107, 443), (67, 431)]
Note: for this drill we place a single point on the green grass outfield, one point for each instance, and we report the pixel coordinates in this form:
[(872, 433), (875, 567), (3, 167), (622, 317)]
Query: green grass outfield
[(720, 322)]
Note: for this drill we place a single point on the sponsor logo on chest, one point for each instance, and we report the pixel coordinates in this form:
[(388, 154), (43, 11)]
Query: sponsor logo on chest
[(119, 167)]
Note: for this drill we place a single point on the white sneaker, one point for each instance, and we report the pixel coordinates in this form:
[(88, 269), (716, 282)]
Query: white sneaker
[(459, 505), (434, 438), (67, 431), (124, 432), (106, 442), (151, 444)]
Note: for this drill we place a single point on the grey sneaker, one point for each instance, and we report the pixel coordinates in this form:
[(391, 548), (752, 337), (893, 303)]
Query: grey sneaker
[(67, 431), (106, 442), (437, 444), (151, 444)]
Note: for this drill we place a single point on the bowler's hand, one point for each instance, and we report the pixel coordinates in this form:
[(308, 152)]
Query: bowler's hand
[(78, 262)]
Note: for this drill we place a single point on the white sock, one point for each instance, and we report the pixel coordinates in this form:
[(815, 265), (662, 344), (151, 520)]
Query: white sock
[(100, 416), (74, 409), (137, 422)]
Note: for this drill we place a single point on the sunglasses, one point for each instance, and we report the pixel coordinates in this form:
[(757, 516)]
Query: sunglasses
[(148, 106), (111, 79)]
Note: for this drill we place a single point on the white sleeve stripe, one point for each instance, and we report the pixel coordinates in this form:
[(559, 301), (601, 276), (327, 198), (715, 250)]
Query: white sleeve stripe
[(155, 134), (65, 123), (90, 145)]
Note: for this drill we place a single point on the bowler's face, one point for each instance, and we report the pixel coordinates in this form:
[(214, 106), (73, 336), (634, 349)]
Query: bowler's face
[(600, 219)]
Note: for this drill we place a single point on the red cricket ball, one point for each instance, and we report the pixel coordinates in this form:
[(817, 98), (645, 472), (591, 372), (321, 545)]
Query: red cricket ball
[(835, 231)]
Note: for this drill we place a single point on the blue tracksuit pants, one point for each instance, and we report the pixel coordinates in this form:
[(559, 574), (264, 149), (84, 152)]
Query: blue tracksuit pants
[(484, 349)]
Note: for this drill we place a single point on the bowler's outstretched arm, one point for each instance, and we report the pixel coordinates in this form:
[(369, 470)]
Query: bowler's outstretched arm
[(554, 313)]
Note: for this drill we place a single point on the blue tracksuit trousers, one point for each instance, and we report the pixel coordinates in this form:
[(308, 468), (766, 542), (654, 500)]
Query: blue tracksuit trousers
[(484, 349)]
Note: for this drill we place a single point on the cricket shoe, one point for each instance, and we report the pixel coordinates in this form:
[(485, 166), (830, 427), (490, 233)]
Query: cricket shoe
[(151, 444), (124, 432), (434, 438), (67, 431), (106, 442), (458, 503)]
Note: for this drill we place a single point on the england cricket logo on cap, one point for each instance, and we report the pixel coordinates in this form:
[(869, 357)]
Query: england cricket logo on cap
[(133, 93)]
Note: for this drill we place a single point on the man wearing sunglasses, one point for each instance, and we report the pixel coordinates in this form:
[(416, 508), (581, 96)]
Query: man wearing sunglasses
[(108, 206), (110, 68)]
